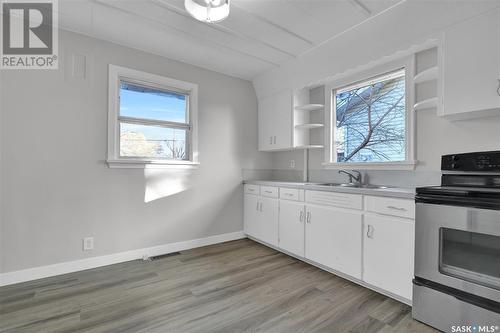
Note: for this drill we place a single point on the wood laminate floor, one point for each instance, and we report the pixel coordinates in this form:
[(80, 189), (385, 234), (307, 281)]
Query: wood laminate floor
[(238, 286)]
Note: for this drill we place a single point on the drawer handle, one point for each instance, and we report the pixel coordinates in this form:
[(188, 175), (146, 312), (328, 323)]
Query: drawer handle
[(268, 192), (401, 209), (289, 194), (308, 217), (301, 216), (251, 190)]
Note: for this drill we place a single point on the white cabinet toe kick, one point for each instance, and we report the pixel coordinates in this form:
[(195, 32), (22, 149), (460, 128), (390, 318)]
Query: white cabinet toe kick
[(366, 239)]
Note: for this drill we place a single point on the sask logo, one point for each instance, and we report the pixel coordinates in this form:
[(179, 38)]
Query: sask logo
[(29, 34), (474, 328)]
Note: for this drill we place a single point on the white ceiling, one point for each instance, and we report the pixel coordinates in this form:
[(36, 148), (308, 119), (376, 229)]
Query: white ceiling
[(258, 35)]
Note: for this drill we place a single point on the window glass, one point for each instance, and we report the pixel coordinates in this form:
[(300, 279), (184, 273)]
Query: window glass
[(370, 124), (137, 101), (149, 141)]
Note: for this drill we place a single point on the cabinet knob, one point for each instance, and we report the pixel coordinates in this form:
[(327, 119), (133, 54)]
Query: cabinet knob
[(369, 231)]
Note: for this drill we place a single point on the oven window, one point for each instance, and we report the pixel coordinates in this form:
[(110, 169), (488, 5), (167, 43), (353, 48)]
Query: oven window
[(471, 256)]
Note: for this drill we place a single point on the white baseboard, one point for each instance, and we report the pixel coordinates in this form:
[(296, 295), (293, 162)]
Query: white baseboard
[(83, 264)]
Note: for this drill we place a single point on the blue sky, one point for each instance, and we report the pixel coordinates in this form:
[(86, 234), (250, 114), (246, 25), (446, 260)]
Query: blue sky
[(151, 105)]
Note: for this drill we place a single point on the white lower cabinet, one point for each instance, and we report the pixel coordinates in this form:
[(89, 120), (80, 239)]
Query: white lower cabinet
[(369, 238), (388, 253), (267, 221), (291, 227), (333, 238), (261, 218)]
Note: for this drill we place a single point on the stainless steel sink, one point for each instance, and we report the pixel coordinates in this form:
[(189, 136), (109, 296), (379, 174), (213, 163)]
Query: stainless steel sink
[(368, 186)]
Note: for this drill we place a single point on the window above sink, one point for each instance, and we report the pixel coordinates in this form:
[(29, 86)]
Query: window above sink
[(370, 119)]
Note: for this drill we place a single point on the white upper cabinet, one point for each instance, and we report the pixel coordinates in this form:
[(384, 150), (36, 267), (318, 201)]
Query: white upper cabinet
[(333, 238), (471, 66), (275, 122)]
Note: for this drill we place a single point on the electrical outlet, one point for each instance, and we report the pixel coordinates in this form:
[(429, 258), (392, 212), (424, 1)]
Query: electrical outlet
[(292, 164), (88, 243)]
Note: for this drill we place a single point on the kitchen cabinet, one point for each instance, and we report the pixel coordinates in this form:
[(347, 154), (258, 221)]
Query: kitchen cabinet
[(388, 253), (260, 218), (267, 221), (333, 238), (291, 227), (471, 66), (365, 237), (275, 121), (251, 212)]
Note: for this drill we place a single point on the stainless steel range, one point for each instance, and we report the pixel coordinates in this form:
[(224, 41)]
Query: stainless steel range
[(457, 246)]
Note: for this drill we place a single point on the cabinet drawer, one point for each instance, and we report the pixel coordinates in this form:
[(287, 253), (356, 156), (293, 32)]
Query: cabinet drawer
[(291, 194), (344, 200), (391, 206), (252, 189), (269, 191)]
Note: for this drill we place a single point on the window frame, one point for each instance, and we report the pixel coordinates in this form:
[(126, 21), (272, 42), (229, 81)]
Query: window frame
[(351, 79), (117, 74)]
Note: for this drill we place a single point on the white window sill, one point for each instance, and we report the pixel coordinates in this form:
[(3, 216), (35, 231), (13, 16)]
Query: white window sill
[(151, 164), (404, 165)]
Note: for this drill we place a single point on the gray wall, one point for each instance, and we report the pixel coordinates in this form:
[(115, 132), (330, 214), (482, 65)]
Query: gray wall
[(56, 187)]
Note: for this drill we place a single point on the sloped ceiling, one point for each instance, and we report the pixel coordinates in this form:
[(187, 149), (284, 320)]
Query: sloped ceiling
[(258, 36)]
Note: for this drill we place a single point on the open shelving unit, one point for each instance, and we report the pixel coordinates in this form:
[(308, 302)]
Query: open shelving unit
[(426, 80), (308, 120)]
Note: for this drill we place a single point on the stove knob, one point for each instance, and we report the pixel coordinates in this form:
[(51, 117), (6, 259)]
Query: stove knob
[(455, 166), (455, 158)]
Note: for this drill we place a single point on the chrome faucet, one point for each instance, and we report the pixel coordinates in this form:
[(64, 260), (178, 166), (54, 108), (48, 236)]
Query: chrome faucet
[(355, 176)]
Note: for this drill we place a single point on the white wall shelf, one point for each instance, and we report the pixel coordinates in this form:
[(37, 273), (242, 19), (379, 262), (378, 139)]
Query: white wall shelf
[(309, 126), (310, 107), (310, 147), (426, 104), (426, 75)]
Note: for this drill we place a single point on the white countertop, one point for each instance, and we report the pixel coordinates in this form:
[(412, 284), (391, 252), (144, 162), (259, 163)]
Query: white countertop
[(397, 192)]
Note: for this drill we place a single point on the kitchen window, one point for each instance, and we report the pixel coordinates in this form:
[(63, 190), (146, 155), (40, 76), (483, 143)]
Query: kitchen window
[(152, 120), (371, 124)]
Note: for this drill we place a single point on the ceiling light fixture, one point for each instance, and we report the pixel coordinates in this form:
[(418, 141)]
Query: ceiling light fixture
[(210, 11)]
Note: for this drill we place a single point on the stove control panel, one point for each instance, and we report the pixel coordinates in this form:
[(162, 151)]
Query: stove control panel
[(488, 161)]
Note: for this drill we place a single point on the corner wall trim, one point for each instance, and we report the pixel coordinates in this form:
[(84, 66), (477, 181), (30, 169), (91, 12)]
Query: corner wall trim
[(40, 272)]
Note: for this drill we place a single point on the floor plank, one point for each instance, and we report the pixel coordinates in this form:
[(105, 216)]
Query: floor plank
[(238, 286)]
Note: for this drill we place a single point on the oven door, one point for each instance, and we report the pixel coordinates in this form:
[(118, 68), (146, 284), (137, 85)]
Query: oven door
[(459, 247)]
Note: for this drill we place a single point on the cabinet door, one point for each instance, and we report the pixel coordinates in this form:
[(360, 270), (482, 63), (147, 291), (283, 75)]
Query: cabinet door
[(333, 238), (265, 120), (471, 61), (291, 227), (251, 214), (388, 253), (282, 121), (267, 222), (275, 121)]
